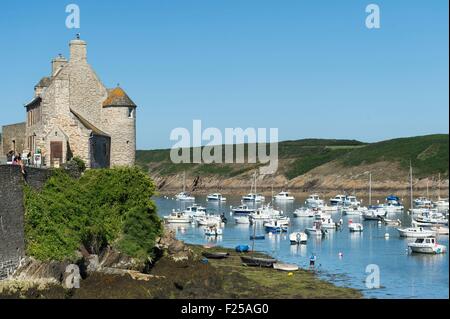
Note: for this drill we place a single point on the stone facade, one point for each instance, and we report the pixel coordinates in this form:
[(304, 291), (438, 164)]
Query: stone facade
[(13, 138), (12, 236), (73, 114)]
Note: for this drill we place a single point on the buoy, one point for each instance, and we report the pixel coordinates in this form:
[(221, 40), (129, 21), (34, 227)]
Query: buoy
[(386, 235), (341, 255), (290, 274)]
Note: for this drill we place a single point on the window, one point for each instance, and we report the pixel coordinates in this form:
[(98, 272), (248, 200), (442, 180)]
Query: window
[(130, 112)]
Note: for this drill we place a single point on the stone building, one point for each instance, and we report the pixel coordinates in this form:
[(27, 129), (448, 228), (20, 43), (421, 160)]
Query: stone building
[(72, 114)]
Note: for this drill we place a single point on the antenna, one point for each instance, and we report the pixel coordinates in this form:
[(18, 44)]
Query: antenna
[(78, 36)]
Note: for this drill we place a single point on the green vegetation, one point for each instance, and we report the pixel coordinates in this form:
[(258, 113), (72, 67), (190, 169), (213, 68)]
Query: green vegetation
[(429, 155), (103, 207)]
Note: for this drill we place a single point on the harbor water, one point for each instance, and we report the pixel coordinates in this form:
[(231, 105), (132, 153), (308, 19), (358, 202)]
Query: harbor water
[(343, 257)]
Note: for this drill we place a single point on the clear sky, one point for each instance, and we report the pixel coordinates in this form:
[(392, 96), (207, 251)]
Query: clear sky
[(309, 68)]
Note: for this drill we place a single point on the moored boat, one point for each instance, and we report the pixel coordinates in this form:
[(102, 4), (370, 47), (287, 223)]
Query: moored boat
[(177, 217), (416, 232), (298, 238), (284, 196), (285, 267), (427, 246), (258, 261), (215, 197)]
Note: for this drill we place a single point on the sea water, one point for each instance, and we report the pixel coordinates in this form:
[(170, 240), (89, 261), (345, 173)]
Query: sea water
[(342, 256)]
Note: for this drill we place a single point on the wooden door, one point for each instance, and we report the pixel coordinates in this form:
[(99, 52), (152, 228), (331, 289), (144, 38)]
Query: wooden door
[(56, 152)]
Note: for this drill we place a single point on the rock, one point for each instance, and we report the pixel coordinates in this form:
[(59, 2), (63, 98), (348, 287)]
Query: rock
[(92, 263)]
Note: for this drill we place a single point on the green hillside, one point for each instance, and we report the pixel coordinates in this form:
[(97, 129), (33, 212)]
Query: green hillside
[(428, 154)]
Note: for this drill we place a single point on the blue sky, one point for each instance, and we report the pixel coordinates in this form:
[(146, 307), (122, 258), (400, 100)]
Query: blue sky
[(309, 68)]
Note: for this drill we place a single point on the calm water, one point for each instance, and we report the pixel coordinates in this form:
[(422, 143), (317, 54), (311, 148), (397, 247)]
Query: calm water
[(402, 275)]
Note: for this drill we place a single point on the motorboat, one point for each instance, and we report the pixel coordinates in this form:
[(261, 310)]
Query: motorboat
[(298, 238), (252, 197), (354, 210), (375, 213), (440, 230), (285, 267), (355, 227), (184, 196), (258, 261), (281, 220), (432, 218), (337, 200), (213, 231), (392, 204), (351, 201), (314, 200), (441, 204), (304, 212), (216, 197), (332, 209), (275, 227), (177, 217), (284, 196), (210, 220), (422, 202), (242, 210), (242, 220), (265, 213), (328, 223), (416, 232), (427, 246), (195, 211), (315, 230), (391, 222), (257, 237)]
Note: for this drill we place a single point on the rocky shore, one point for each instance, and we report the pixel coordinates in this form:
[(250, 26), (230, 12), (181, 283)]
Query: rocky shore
[(179, 272)]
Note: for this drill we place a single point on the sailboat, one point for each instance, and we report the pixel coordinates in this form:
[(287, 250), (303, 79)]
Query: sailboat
[(184, 196), (253, 196), (257, 261)]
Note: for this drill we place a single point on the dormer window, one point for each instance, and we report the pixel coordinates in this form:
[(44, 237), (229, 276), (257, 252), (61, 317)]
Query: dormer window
[(130, 113)]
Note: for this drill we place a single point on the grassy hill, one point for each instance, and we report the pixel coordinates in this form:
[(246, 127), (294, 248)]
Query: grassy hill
[(428, 154)]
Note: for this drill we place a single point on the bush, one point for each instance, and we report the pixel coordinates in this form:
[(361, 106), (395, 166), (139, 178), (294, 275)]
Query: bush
[(80, 163), (103, 207)]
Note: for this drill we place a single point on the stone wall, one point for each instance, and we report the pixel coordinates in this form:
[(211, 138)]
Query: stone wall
[(14, 132), (12, 236)]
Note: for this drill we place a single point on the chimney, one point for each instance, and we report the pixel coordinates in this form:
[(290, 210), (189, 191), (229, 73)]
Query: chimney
[(58, 63), (78, 51)]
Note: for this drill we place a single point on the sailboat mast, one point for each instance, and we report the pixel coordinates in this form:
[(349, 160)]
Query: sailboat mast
[(370, 189), (184, 181), (439, 187), (411, 183), (428, 194)]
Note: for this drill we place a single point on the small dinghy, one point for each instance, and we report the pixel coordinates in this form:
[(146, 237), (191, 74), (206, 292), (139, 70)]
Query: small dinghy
[(285, 267), (257, 237), (391, 222), (216, 255), (440, 230), (258, 262), (416, 232), (355, 227)]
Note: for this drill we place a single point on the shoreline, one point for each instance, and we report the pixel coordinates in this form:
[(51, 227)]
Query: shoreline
[(193, 278)]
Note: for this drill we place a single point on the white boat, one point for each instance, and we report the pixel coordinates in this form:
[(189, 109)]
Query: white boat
[(242, 220), (209, 220), (304, 212), (284, 196), (440, 230), (285, 267), (242, 210), (216, 197), (427, 246), (392, 204), (177, 217), (351, 201), (432, 218), (422, 202), (328, 223), (391, 222), (252, 197), (331, 209), (441, 204), (195, 211), (337, 200), (315, 230), (314, 200), (275, 227), (183, 196), (416, 232), (354, 210), (374, 214), (278, 220), (298, 238), (213, 231), (355, 227), (265, 213)]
